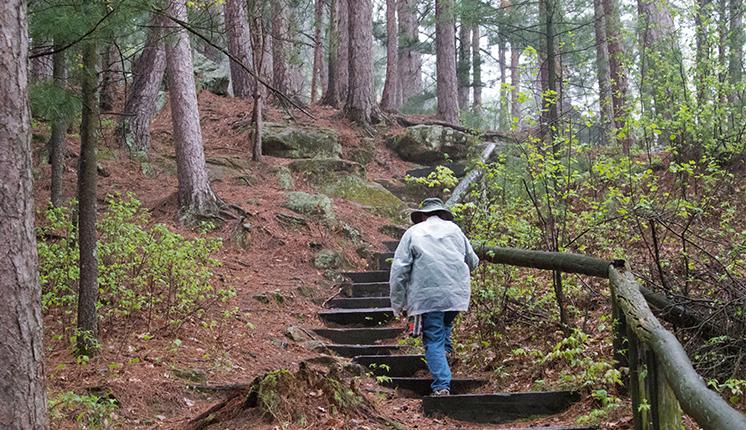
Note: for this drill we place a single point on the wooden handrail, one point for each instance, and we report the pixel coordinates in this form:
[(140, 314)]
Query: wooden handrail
[(562, 261), (707, 408)]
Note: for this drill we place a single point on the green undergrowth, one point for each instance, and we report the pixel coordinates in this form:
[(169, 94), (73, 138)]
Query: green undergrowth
[(150, 278)]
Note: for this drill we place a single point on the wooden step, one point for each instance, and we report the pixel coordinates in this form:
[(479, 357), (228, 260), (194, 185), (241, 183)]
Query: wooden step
[(392, 365), (499, 407), (368, 350), (382, 260), (365, 336), (359, 302), (369, 317), (391, 244), (368, 277), (421, 386), (373, 289)]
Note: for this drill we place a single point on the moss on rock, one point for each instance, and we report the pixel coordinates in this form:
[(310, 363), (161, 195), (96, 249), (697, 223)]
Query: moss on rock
[(377, 198), (312, 205), (294, 141)]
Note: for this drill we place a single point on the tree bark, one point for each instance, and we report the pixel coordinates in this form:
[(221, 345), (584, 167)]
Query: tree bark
[(446, 61), (360, 93), (391, 94), (142, 98), (279, 35), (605, 106), (331, 97), (23, 400), (504, 97), (410, 59), (702, 57), (237, 27), (464, 63), (196, 198), (111, 76), (316, 69), (87, 332), (616, 69), (59, 128), (476, 58), (735, 61), (515, 82), (258, 48)]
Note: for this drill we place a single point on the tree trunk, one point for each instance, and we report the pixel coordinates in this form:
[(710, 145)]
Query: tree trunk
[(550, 111), (446, 61), (616, 69), (196, 198), (23, 400), (111, 77), (237, 27), (410, 59), (279, 35), (660, 56), (258, 48), (476, 58), (41, 68), (605, 106), (316, 69), (360, 93), (735, 61), (391, 94), (515, 82), (87, 333), (59, 128), (343, 49), (464, 63), (142, 98), (504, 97), (332, 97), (702, 68)]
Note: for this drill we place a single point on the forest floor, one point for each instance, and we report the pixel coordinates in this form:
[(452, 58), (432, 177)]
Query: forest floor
[(148, 373)]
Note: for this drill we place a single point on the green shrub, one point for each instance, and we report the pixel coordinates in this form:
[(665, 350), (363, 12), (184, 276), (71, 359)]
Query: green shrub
[(147, 274)]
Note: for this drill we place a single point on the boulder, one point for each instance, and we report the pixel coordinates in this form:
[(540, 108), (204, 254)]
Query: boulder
[(297, 334), (380, 200), (327, 259), (311, 205), (210, 75), (295, 141), (323, 171), (365, 153), (428, 144)]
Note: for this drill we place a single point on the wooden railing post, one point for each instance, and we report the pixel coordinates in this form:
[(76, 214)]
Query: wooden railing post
[(620, 341)]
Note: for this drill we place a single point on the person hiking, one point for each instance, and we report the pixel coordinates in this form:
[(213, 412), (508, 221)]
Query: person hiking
[(430, 277)]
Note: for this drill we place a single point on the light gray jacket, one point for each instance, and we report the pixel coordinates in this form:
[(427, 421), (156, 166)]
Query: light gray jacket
[(431, 267)]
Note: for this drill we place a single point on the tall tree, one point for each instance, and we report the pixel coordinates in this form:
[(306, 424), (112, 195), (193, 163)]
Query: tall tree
[(360, 92), (317, 60), (196, 198), (603, 75), (112, 74), (464, 61), (142, 99), (259, 40), (391, 99), (476, 58), (23, 400), (515, 82), (279, 37), (237, 27), (447, 87), (87, 333), (409, 56), (502, 51), (614, 40), (332, 96), (59, 128), (735, 61)]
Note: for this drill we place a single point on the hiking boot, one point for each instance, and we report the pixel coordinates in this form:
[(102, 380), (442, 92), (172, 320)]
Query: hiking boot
[(442, 392)]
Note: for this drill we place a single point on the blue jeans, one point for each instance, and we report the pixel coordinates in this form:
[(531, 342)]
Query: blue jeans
[(436, 336)]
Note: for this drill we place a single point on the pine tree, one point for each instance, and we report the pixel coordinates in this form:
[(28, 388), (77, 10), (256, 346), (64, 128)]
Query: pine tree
[(446, 61)]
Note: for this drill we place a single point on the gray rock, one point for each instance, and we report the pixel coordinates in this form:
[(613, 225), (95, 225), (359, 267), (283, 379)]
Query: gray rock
[(365, 153), (327, 259), (297, 334), (315, 345), (427, 144), (285, 178), (325, 171), (294, 141), (210, 75), (316, 206), (291, 220), (369, 194)]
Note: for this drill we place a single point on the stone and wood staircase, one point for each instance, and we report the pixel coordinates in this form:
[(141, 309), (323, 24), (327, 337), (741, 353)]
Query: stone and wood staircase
[(357, 326)]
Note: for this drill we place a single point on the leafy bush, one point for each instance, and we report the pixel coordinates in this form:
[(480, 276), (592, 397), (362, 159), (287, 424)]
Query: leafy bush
[(147, 274)]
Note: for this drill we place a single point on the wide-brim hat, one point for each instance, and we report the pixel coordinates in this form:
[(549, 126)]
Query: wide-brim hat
[(431, 205)]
